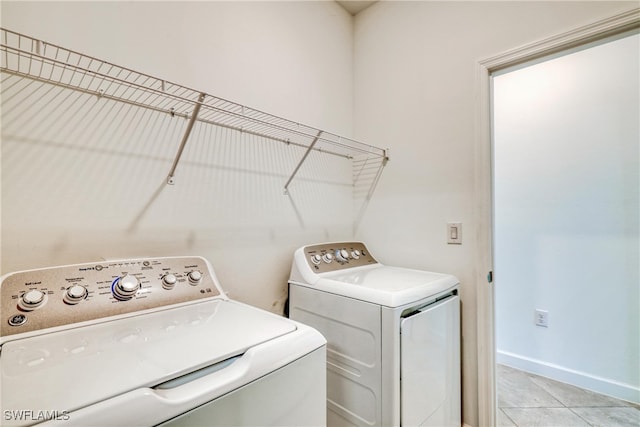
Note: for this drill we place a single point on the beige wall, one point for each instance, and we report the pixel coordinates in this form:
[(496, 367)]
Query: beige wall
[(415, 92), (409, 67), (74, 190)]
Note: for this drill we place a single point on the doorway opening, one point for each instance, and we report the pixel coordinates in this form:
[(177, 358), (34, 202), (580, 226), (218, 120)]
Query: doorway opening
[(547, 183), (566, 208)]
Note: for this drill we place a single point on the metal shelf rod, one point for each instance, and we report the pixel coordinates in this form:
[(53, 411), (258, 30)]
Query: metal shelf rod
[(273, 138), (185, 137), (295, 171)]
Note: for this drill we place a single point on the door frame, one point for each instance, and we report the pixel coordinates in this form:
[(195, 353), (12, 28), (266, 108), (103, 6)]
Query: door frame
[(483, 191)]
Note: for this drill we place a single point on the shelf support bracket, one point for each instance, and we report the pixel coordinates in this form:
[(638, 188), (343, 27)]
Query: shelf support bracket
[(185, 137), (295, 171)]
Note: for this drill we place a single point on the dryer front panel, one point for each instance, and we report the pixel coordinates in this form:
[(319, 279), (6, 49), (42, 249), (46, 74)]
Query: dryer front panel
[(430, 365)]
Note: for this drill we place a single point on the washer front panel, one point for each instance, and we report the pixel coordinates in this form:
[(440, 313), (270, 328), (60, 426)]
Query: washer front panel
[(85, 292), (330, 256)]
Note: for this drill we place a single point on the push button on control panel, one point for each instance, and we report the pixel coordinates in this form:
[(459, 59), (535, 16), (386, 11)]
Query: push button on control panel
[(18, 320)]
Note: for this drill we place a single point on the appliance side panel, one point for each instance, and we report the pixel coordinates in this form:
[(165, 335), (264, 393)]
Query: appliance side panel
[(391, 320), (353, 332), (292, 396), (430, 366)]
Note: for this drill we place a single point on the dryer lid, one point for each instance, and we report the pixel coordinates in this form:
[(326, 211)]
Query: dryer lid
[(384, 285), (70, 369)]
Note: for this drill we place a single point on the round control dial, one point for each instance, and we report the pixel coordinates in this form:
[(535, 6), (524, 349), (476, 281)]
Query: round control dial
[(342, 255), (75, 294), (195, 277), (316, 259), (355, 254), (32, 299), (327, 258), (169, 281), (126, 287)]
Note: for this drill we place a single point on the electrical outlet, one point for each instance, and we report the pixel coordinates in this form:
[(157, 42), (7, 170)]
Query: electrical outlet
[(454, 233), (542, 318)]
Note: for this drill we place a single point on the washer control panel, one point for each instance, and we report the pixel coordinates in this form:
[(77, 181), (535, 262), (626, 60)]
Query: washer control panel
[(58, 296), (337, 256)]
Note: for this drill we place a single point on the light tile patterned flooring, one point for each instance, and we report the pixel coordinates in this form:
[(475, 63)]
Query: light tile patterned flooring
[(529, 400)]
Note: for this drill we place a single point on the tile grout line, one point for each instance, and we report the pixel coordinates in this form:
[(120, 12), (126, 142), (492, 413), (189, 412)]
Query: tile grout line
[(560, 397), (578, 415), (510, 419)]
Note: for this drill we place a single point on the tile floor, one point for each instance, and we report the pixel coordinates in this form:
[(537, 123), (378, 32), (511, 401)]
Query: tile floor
[(529, 400)]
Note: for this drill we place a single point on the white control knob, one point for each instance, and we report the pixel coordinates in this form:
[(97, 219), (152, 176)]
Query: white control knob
[(126, 287), (342, 255), (32, 299), (327, 258), (355, 254), (169, 281), (316, 259), (194, 277), (75, 294)]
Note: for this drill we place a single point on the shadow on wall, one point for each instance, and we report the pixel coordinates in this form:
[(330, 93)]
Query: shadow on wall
[(76, 165)]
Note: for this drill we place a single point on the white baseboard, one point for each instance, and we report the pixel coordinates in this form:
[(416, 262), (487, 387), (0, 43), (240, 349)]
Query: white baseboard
[(584, 380)]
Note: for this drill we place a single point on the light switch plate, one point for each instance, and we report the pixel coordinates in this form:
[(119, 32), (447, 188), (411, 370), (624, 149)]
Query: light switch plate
[(454, 233)]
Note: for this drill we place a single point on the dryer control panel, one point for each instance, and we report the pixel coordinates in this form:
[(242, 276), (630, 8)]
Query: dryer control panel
[(337, 256), (59, 296)]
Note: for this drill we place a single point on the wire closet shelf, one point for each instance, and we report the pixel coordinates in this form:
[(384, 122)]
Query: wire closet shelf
[(41, 61)]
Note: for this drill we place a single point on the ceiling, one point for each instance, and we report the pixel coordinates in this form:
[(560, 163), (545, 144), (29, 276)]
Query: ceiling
[(355, 6)]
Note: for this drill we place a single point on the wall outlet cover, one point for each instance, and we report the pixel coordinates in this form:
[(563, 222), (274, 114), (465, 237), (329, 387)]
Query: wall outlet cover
[(542, 318)]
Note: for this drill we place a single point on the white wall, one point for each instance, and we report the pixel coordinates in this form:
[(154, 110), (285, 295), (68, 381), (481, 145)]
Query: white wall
[(567, 217), (79, 191), (415, 67)]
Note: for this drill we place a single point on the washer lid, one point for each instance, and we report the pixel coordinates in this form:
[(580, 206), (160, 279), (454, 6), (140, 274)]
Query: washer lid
[(384, 285), (67, 370)]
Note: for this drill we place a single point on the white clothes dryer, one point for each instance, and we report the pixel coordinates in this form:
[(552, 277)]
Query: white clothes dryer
[(393, 352), (150, 342)]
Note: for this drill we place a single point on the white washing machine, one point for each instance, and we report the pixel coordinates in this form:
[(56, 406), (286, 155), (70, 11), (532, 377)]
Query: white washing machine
[(393, 352), (150, 342)]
